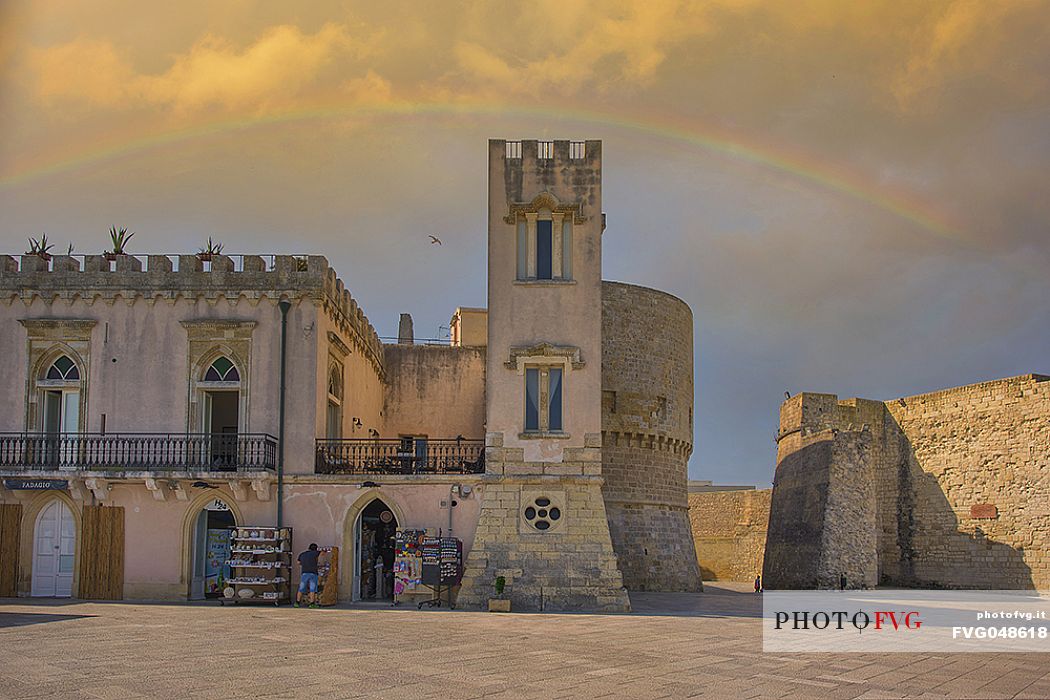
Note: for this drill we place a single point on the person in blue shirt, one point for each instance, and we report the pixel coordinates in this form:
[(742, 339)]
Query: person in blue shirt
[(308, 578)]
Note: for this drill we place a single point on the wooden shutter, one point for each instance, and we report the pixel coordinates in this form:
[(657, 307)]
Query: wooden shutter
[(102, 553), (10, 539)]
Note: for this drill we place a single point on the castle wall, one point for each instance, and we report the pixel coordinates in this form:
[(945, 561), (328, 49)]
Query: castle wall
[(959, 486), (729, 532), (647, 406), (435, 390), (822, 513), (979, 483)]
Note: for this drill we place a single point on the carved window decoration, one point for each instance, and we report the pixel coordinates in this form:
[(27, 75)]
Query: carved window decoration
[(63, 369), (544, 236), (222, 370), (543, 512)]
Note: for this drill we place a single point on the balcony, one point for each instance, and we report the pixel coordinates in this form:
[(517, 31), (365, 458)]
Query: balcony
[(138, 452), (399, 456)]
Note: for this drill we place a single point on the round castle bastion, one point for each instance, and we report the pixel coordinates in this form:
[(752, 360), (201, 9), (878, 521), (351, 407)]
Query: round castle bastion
[(647, 435)]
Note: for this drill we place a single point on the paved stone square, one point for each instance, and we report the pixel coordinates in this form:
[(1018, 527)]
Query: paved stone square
[(673, 645)]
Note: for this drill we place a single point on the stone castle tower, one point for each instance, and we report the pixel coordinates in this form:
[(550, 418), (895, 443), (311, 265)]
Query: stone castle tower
[(543, 524)]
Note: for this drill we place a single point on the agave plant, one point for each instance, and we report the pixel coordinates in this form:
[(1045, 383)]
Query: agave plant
[(119, 238), (211, 250), (40, 247)]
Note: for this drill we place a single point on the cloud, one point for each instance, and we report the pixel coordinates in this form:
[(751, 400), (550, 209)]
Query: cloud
[(83, 70), (280, 65), (957, 44), (566, 46)]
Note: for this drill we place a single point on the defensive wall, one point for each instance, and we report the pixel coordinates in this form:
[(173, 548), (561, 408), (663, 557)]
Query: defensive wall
[(729, 532), (946, 489)]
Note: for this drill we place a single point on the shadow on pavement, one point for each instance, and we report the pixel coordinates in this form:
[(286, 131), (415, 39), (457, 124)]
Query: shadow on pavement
[(24, 619)]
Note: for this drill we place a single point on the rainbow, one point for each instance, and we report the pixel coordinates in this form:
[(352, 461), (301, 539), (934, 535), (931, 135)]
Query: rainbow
[(792, 162)]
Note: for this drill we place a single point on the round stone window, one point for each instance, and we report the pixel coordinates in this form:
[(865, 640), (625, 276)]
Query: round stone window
[(540, 512)]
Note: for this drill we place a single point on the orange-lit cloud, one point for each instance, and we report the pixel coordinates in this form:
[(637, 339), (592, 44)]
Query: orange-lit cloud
[(274, 68)]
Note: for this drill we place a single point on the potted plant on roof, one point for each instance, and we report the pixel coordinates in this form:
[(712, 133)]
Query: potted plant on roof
[(499, 603), (40, 247), (119, 238), (208, 252)]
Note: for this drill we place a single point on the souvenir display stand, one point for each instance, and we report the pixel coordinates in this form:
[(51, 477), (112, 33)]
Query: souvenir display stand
[(261, 565), (442, 568), (328, 575), (408, 564)]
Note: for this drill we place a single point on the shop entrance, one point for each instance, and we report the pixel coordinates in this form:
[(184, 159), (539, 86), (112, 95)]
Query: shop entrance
[(211, 549), (54, 551), (374, 563)]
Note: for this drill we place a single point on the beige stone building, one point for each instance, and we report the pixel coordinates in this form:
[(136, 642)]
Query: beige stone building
[(153, 401)]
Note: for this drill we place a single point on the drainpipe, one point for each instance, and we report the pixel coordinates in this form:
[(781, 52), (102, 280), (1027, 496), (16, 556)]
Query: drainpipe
[(284, 305)]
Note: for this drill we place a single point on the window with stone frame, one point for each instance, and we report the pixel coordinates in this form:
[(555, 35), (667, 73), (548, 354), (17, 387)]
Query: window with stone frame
[(544, 246), (334, 415), (60, 393), (544, 390)]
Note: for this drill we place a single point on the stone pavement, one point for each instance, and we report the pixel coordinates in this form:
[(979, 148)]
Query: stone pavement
[(673, 645)]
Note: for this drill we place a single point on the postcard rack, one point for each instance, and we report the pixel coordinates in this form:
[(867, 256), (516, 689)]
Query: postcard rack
[(442, 568)]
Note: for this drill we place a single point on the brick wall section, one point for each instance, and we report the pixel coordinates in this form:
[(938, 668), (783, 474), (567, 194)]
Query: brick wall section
[(647, 435), (729, 532), (960, 484)]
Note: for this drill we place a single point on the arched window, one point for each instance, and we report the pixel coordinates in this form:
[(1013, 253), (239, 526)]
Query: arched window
[(63, 369), (335, 382), (334, 418), (59, 387), (222, 370)]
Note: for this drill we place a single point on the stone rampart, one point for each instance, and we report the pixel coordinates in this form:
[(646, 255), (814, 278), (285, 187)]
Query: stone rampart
[(957, 483), (729, 532)]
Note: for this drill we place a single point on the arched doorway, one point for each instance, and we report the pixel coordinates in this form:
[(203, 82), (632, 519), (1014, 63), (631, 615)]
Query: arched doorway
[(54, 551), (211, 549), (374, 536)]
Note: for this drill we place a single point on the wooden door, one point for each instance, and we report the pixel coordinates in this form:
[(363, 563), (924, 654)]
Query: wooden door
[(10, 540), (102, 553)]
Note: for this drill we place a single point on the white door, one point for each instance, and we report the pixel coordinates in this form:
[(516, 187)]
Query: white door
[(54, 551)]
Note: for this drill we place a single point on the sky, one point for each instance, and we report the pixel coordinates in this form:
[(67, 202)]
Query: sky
[(853, 197)]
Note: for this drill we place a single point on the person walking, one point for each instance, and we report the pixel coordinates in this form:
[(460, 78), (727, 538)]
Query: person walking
[(842, 582), (308, 577), (758, 583)]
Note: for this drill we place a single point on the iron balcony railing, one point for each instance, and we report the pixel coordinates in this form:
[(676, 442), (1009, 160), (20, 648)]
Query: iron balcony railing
[(139, 451), (399, 456)]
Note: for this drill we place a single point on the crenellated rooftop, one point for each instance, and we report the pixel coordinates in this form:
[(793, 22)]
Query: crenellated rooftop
[(93, 278)]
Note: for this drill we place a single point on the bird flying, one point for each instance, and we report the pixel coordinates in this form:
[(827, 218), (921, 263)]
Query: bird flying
[(435, 239)]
